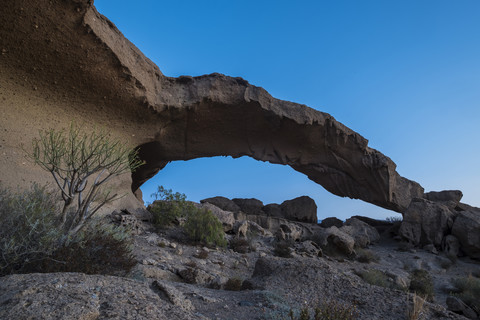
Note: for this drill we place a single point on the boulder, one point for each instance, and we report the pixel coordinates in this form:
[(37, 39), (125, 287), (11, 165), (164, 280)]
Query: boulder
[(444, 196), (330, 222), (362, 233), (302, 209), (273, 210), (451, 245), (466, 229), (335, 239), (250, 206), (426, 222), (223, 203), (309, 248)]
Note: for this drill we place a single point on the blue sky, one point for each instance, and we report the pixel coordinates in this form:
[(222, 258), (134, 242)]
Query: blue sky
[(404, 74)]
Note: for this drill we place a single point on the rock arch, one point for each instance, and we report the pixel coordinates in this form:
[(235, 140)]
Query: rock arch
[(85, 68)]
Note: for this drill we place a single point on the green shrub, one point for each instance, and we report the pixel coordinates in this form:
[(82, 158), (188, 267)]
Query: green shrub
[(469, 291), (330, 310), (283, 249), (99, 249), (32, 240), (169, 207), (234, 284), (29, 231), (421, 283), (366, 256), (376, 278), (202, 226), (81, 164)]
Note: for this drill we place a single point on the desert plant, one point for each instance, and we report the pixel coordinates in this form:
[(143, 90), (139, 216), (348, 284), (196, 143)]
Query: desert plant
[(415, 311), (100, 248), (421, 283), (29, 231), (81, 164), (202, 226), (240, 245), (366, 256), (328, 310), (203, 254), (376, 277), (169, 207), (469, 291), (283, 248), (234, 284)]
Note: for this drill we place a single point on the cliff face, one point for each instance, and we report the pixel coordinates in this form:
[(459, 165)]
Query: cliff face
[(63, 61)]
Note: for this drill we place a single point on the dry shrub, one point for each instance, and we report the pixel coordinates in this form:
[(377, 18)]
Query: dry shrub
[(366, 256), (421, 283), (203, 254), (376, 277), (416, 310), (283, 249), (469, 291), (328, 310), (240, 245), (234, 284), (100, 249)]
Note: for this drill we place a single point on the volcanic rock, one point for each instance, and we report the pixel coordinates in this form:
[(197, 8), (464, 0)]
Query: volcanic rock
[(466, 229), (302, 209)]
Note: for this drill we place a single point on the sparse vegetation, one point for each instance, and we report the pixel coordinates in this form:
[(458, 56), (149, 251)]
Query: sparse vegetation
[(469, 291), (234, 284), (203, 254), (331, 310), (415, 311), (169, 207), (366, 256), (376, 278), (29, 231), (241, 245), (394, 219), (283, 248), (421, 283), (81, 165), (33, 240), (204, 227), (100, 249)]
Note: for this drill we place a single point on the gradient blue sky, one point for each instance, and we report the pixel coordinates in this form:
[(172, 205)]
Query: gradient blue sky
[(404, 74)]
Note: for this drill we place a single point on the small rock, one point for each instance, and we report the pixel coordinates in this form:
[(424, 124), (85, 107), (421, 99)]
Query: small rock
[(149, 261), (173, 245), (246, 304)]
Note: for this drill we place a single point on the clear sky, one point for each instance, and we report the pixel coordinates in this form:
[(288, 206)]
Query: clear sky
[(405, 74)]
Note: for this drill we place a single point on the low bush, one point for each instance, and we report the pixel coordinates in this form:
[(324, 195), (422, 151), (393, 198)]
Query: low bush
[(376, 278), (234, 284), (29, 231), (283, 248), (421, 283), (202, 226), (100, 249), (366, 256), (169, 207), (469, 291), (240, 245), (330, 310)]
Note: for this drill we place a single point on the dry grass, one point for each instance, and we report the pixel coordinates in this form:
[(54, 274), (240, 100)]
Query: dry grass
[(415, 312)]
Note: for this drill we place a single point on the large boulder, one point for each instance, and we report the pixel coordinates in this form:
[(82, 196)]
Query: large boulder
[(426, 222), (334, 240), (302, 209), (361, 232), (466, 229), (330, 222), (444, 196), (273, 210), (223, 203), (249, 206)]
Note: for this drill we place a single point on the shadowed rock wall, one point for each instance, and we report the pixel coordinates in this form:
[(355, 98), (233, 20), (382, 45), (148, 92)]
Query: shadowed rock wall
[(76, 65)]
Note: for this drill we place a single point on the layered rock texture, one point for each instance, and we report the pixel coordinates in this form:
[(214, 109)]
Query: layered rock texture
[(63, 61)]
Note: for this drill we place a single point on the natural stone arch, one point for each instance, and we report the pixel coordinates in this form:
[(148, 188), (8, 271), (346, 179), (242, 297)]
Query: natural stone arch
[(216, 115)]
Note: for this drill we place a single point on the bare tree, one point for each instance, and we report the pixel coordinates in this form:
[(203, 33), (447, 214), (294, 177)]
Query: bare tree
[(81, 164)]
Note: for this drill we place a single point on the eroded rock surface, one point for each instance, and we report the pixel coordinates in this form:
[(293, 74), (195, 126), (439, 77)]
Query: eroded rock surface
[(76, 64)]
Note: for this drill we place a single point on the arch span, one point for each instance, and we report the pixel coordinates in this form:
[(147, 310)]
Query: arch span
[(216, 115)]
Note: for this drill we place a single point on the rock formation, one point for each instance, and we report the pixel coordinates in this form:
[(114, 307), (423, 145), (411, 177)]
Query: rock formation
[(62, 60)]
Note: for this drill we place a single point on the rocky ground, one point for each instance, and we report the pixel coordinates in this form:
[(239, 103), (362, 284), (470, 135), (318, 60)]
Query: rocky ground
[(175, 279)]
